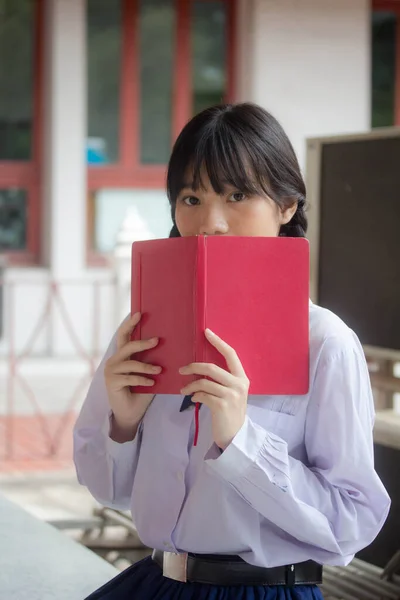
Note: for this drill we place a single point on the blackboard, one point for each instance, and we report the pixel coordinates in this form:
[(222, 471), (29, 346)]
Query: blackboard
[(358, 273), (387, 543)]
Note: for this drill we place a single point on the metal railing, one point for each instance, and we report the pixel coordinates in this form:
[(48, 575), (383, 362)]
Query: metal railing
[(45, 313)]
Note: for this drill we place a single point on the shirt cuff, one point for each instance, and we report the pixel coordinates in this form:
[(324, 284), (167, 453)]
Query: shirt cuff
[(118, 449), (241, 454)]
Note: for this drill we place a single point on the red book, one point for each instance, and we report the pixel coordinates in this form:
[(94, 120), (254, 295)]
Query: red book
[(253, 292)]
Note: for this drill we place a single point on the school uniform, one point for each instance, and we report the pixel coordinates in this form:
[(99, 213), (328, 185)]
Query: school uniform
[(296, 488)]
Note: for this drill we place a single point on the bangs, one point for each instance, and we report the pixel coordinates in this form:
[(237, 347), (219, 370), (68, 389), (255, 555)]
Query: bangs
[(220, 153)]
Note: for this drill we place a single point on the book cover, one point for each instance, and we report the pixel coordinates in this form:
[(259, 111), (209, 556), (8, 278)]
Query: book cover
[(253, 292)]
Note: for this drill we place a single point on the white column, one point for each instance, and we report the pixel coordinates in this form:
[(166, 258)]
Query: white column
[(65, 186), (65, 118)]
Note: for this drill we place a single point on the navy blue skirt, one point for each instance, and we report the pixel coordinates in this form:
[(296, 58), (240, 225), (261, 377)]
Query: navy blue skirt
[(145, 581)]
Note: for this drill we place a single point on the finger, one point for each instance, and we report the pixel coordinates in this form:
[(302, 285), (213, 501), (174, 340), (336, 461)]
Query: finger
[(232, 359), (213, 402), (133, 348), (134, 366), (120, 381), (125, 331), (209, 370), (206, 386)]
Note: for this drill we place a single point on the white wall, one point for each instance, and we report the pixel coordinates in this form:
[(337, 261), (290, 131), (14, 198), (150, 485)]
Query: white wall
[(310, 65)]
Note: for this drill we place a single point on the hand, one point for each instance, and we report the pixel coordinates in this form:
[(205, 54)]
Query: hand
[(121, 373), (225, 396)]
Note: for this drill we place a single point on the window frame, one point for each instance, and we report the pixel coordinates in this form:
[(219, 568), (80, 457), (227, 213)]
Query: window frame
[(393, 6), (27, 174), (128, 172)]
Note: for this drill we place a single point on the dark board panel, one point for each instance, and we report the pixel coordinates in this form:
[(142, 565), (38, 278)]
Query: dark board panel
[(387, 464), (359, 257)]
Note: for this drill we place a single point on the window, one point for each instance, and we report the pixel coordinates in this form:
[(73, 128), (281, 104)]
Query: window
[(209, 54), (152, 65), (156, 21), (386, 63), (20, 84), (104, 44)]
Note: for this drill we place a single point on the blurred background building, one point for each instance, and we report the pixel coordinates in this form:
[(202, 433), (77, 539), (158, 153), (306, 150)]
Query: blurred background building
[(92, 95)]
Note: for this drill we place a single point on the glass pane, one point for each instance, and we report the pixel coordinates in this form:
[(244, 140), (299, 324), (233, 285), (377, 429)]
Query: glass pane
[(16, 79), (209, 54), (383, 68), (156, 47), (144, 214), (104, 37), (13, 219)]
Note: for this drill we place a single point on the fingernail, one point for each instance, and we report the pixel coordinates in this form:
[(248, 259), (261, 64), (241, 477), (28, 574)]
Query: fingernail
[(182, 370), (209, 332), (156, 369), (136, 315), (155, 339)]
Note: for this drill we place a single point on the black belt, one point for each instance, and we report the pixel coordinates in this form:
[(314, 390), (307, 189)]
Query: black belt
[(215, 569)]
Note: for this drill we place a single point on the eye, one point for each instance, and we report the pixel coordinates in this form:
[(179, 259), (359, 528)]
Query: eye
[(237, 197), (191, 200)]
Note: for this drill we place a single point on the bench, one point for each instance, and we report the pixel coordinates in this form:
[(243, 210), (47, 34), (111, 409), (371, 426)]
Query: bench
[(39, 562), (359, 581)]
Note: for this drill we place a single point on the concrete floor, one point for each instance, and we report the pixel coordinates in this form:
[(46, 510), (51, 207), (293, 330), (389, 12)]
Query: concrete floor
[(57, 496)]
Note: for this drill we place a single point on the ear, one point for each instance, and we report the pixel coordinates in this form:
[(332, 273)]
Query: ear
[(288, 213)]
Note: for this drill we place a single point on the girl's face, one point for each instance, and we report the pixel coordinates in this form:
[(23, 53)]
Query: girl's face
[(204, 212)]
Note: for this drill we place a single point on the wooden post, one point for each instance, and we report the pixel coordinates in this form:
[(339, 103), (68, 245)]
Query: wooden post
[(381, 381)]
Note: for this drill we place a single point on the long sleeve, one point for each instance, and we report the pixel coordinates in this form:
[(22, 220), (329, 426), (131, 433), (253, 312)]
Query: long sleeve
[(105, 467), (335, 504)]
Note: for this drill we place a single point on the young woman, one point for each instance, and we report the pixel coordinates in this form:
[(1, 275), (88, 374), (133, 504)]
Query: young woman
[(277, 485)]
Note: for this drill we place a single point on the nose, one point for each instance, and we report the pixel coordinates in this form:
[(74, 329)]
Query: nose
[(214, 222)]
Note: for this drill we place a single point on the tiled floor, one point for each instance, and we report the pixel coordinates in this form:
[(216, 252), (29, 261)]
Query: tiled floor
[(48, 495), (36, 444)]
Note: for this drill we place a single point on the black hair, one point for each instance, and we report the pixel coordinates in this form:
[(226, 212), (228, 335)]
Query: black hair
[(242, 145)]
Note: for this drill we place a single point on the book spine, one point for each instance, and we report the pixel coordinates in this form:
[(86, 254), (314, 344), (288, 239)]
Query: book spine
[(136, 297), (200, 308), (200, 315)]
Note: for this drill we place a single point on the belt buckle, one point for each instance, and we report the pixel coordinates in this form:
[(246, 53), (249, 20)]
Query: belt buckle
[(175, 566), (290, 575)]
